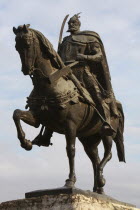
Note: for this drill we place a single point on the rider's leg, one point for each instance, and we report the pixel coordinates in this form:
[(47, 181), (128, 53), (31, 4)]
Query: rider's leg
[(104, 110), (95, 92)]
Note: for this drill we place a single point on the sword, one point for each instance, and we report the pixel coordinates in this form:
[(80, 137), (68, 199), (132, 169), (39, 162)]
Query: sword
[(61, 31)]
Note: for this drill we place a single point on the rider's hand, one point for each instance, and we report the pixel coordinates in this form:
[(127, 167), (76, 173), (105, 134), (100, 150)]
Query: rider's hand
[(81, 57)]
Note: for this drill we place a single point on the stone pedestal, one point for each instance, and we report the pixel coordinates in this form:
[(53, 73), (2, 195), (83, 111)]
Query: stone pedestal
[(65, 199)]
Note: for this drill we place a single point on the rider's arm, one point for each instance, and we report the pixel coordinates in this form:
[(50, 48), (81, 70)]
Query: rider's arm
[(95, 54)]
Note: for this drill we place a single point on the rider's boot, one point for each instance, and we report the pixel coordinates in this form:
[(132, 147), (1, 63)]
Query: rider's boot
[(43, 139), (106, 129)]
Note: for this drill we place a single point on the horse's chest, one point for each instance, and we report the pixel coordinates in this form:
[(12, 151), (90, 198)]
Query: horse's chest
[(54, 119), (40, 84)]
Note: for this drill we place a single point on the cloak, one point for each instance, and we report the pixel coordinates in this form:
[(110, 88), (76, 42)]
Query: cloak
[(100, 69)]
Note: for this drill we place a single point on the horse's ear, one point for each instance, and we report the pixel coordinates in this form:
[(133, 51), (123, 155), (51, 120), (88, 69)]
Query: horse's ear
[(25, 28), (14, 30)]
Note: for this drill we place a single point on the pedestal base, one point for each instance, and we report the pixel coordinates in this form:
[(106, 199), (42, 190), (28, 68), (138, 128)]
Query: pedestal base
[(65, 199)]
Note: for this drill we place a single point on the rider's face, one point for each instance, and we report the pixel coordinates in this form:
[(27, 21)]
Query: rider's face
[(73, 26)]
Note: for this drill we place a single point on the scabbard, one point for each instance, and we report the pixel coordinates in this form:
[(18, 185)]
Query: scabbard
[(62, 72)]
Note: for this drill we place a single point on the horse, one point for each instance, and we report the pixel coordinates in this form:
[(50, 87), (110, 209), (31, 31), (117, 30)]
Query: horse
[(60, 107)]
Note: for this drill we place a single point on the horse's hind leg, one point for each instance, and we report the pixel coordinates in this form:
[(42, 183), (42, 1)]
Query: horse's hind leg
[(91, 148), (27, 117), (70, 148), (107, 142)]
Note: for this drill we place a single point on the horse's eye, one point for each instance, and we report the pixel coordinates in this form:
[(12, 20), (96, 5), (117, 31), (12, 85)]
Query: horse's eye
[(27, 43)]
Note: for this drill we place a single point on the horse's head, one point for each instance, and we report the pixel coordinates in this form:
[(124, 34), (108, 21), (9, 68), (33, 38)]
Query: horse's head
[(26, 45)]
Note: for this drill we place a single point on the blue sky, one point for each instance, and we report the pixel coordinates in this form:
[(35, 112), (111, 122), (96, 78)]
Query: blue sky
[(118, 23)]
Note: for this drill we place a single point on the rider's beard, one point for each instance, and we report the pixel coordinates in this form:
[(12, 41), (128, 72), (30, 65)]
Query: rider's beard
[(73, 29)]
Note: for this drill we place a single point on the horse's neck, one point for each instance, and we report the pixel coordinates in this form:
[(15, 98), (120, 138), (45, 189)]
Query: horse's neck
[(44, 65)]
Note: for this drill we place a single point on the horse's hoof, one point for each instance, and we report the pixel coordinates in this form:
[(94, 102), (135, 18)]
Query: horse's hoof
[(27, 145), (100, 191), (95, 190), (69, 183)]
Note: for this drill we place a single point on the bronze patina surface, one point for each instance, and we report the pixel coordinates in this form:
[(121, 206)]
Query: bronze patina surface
[(72, 95)]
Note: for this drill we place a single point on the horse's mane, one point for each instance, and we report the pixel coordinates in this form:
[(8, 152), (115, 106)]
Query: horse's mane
[(49, 50)]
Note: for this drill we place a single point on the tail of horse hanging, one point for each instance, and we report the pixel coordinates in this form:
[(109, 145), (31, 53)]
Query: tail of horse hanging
[(119, 140)]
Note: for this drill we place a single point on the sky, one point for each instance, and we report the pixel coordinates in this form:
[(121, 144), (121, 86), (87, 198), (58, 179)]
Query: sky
[(118, 23)]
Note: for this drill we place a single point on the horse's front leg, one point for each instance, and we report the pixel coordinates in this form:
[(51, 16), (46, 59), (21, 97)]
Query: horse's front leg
[(27, 117), (70, 148)]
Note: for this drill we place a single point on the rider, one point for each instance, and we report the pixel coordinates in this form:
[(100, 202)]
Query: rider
[(92, 70)]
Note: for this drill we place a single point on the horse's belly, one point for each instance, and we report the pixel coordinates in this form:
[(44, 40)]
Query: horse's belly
[(85, 118), (91, 124), (54, 119), (89, 132)]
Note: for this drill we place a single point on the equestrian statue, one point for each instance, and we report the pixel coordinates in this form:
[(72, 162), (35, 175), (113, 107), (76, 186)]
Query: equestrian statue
[(72, 95)]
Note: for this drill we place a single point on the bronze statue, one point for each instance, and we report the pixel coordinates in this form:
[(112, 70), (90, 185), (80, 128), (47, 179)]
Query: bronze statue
[(60, 102)]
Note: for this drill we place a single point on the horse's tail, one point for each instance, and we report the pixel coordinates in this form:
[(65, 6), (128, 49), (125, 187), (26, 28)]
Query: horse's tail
[(119, 140)]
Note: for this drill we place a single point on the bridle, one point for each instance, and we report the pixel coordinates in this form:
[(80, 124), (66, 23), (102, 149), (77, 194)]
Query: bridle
[(33, 68), (34, 54)]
